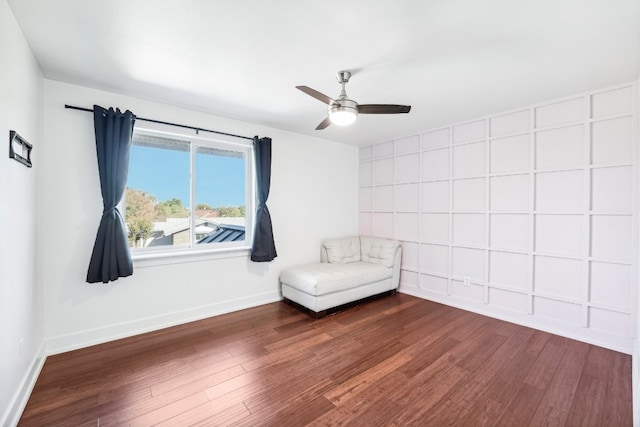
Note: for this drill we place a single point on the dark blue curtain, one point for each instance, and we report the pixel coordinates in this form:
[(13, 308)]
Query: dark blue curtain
[(263, 248), (111, 257)]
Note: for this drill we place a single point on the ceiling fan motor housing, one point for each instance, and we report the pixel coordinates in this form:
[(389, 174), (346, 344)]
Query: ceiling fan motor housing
[(343, 112)]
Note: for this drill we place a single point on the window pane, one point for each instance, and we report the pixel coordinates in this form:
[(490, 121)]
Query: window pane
[(157, 195), (219, 195)]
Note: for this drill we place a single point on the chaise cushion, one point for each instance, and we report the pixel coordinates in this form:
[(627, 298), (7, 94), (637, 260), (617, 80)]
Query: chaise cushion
[(342, 251), (379, 251), (325, 278)]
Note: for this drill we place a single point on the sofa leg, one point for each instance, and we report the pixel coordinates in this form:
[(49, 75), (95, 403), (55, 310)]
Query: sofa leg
[(319, 314)]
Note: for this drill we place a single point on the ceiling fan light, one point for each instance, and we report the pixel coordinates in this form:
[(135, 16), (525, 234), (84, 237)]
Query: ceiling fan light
[(342, 116)]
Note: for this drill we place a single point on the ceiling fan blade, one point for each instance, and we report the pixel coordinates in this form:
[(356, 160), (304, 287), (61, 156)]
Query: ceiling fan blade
[(317, 95), (383, 109), (323, 124)]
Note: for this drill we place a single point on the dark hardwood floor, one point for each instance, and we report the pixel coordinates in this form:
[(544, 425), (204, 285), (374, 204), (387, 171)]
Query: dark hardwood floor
[(397, 361)]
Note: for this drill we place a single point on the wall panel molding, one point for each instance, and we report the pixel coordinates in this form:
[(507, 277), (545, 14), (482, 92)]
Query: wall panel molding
[(528, 215)]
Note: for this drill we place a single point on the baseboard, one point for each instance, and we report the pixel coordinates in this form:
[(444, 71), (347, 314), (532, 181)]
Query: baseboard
[(21, 397), (620, 344), (63, 343)]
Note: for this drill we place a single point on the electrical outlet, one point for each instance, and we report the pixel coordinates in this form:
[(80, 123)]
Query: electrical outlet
[(467, 281), (22, 347)]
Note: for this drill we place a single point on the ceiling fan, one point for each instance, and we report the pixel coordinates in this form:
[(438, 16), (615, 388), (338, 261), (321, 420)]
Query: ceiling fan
[(343, 111)]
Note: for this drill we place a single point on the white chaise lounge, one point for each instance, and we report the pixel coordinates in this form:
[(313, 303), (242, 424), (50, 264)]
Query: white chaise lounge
[(351, 269)]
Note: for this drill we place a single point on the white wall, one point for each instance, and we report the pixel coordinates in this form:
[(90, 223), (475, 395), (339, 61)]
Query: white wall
[(20, 297), (313, 196), (536, 207)]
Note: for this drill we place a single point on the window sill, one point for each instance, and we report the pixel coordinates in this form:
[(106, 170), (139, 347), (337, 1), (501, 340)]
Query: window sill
[(142, 260)]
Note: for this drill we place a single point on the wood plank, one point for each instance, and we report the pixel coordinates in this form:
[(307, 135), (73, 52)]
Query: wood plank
[(460, 401), (599, 362), (356, 384), (484, 413), (522, 407), (353, 411), (620, 371), (207, 414), (556, 403), (480, 350), (516, 369), (426, 390), (187, 385), (267, 405), (81, 411), (367, 359), (290, 415), (169, 410), (588, 404), (544, 368), (427, 355)]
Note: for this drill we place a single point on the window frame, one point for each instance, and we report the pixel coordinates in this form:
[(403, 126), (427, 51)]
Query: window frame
[(194, 252)]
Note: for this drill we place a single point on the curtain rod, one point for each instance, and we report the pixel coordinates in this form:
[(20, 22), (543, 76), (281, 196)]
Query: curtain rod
[(197, 129)]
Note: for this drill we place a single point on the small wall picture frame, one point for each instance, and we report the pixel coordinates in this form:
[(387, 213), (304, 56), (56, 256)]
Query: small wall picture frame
[(19, 149)]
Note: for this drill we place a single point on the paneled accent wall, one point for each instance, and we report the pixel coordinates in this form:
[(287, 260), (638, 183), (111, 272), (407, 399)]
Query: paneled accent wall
[(529, 215)]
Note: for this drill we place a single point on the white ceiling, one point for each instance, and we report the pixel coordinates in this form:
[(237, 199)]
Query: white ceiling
[(451, 60)]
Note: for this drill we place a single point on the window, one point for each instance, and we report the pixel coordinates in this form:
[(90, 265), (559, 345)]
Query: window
[(188, 194)]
